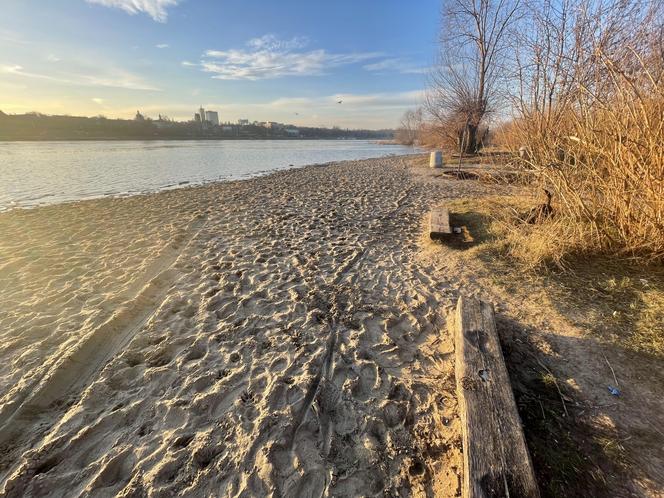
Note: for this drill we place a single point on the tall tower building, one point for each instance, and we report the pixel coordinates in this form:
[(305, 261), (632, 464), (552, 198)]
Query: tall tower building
[(212, 117)]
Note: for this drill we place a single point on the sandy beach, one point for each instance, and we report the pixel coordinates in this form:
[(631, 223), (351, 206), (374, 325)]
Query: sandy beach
[(278, 335), (286, 335)]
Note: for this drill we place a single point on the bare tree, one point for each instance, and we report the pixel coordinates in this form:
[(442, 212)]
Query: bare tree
[(561, 58), (409, 129), (589, 106), (465, 83)]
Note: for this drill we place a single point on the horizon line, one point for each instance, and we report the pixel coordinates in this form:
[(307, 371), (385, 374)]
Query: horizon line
[(101, 116)]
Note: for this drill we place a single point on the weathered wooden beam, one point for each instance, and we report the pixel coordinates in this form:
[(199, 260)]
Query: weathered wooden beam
[(439, 223), (496, 458)]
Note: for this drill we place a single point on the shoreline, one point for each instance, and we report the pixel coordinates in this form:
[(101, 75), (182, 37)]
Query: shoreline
[(191, 185), (255, 319), (282, 334), (199, 139), (192, 139)]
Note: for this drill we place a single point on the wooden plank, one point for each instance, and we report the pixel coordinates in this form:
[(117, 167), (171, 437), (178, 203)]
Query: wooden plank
[(439, 223), (496, 458)]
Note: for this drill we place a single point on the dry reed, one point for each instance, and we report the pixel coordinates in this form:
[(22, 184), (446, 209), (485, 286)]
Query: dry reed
[(597, 142)]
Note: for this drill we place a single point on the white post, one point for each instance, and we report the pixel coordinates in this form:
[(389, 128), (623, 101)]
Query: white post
[(436, 159)]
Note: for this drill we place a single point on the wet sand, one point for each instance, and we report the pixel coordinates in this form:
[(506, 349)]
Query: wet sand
[(274, 336)]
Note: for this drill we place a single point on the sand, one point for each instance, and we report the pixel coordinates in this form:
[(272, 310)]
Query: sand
[(275, 336)]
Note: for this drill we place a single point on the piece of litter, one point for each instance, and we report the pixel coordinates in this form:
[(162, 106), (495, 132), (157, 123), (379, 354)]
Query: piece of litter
[(457, 230), (614, 391)]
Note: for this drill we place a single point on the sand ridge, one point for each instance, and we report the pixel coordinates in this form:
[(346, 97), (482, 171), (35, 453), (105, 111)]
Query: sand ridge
[(298, 347)]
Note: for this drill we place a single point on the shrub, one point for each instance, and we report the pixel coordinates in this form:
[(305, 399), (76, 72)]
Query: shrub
[(590, 118)]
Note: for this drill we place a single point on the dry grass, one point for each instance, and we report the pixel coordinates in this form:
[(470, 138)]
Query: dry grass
[(573, 457), (495, 166), (573, 454), (607, 172), (619, 302), (596, 141)]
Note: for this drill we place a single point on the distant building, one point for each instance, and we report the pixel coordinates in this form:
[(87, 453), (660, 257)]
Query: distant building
[(201, 111), (212, 117), (139, 117), (292, 132), (243, 122), (197, 118), (273, 125)]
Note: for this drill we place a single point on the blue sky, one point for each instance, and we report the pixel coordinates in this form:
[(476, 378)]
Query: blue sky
[(285, 60)]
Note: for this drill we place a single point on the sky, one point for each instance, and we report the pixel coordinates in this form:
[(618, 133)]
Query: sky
[(289, 61)]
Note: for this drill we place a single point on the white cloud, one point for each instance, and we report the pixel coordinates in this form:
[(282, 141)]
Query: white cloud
[(157, 9), (395, 64), (108, 77), (271, 42), (15, 69), (162, 45), (268, 57), (12, 37), (98, 101)]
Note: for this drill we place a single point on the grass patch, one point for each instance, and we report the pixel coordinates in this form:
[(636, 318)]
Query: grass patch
[(571, 456), (487, 168), (619, 302), (574, 453)]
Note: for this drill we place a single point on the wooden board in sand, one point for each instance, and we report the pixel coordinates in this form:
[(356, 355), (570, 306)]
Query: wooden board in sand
[(496, 459), (439, 223)]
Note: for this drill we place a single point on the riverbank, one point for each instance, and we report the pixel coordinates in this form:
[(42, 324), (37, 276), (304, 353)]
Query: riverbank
[(273, 334), (185, 138), (35, 126), (284, 334)]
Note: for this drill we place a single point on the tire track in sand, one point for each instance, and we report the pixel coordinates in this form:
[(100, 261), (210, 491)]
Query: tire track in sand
[(71, 373)]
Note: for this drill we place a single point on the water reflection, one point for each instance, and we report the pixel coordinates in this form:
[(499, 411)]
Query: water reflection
[(35, 173)]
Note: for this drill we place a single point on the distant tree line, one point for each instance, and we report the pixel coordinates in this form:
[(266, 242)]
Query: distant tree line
[(35, 126)]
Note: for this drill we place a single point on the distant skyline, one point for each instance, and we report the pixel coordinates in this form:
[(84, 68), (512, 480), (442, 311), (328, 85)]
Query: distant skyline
[(288, 61)]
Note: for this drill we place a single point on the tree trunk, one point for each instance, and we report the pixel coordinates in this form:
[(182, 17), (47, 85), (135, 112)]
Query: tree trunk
[(469, 139)]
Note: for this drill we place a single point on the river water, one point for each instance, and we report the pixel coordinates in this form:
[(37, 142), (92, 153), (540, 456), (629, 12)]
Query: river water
[(38, 173)]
